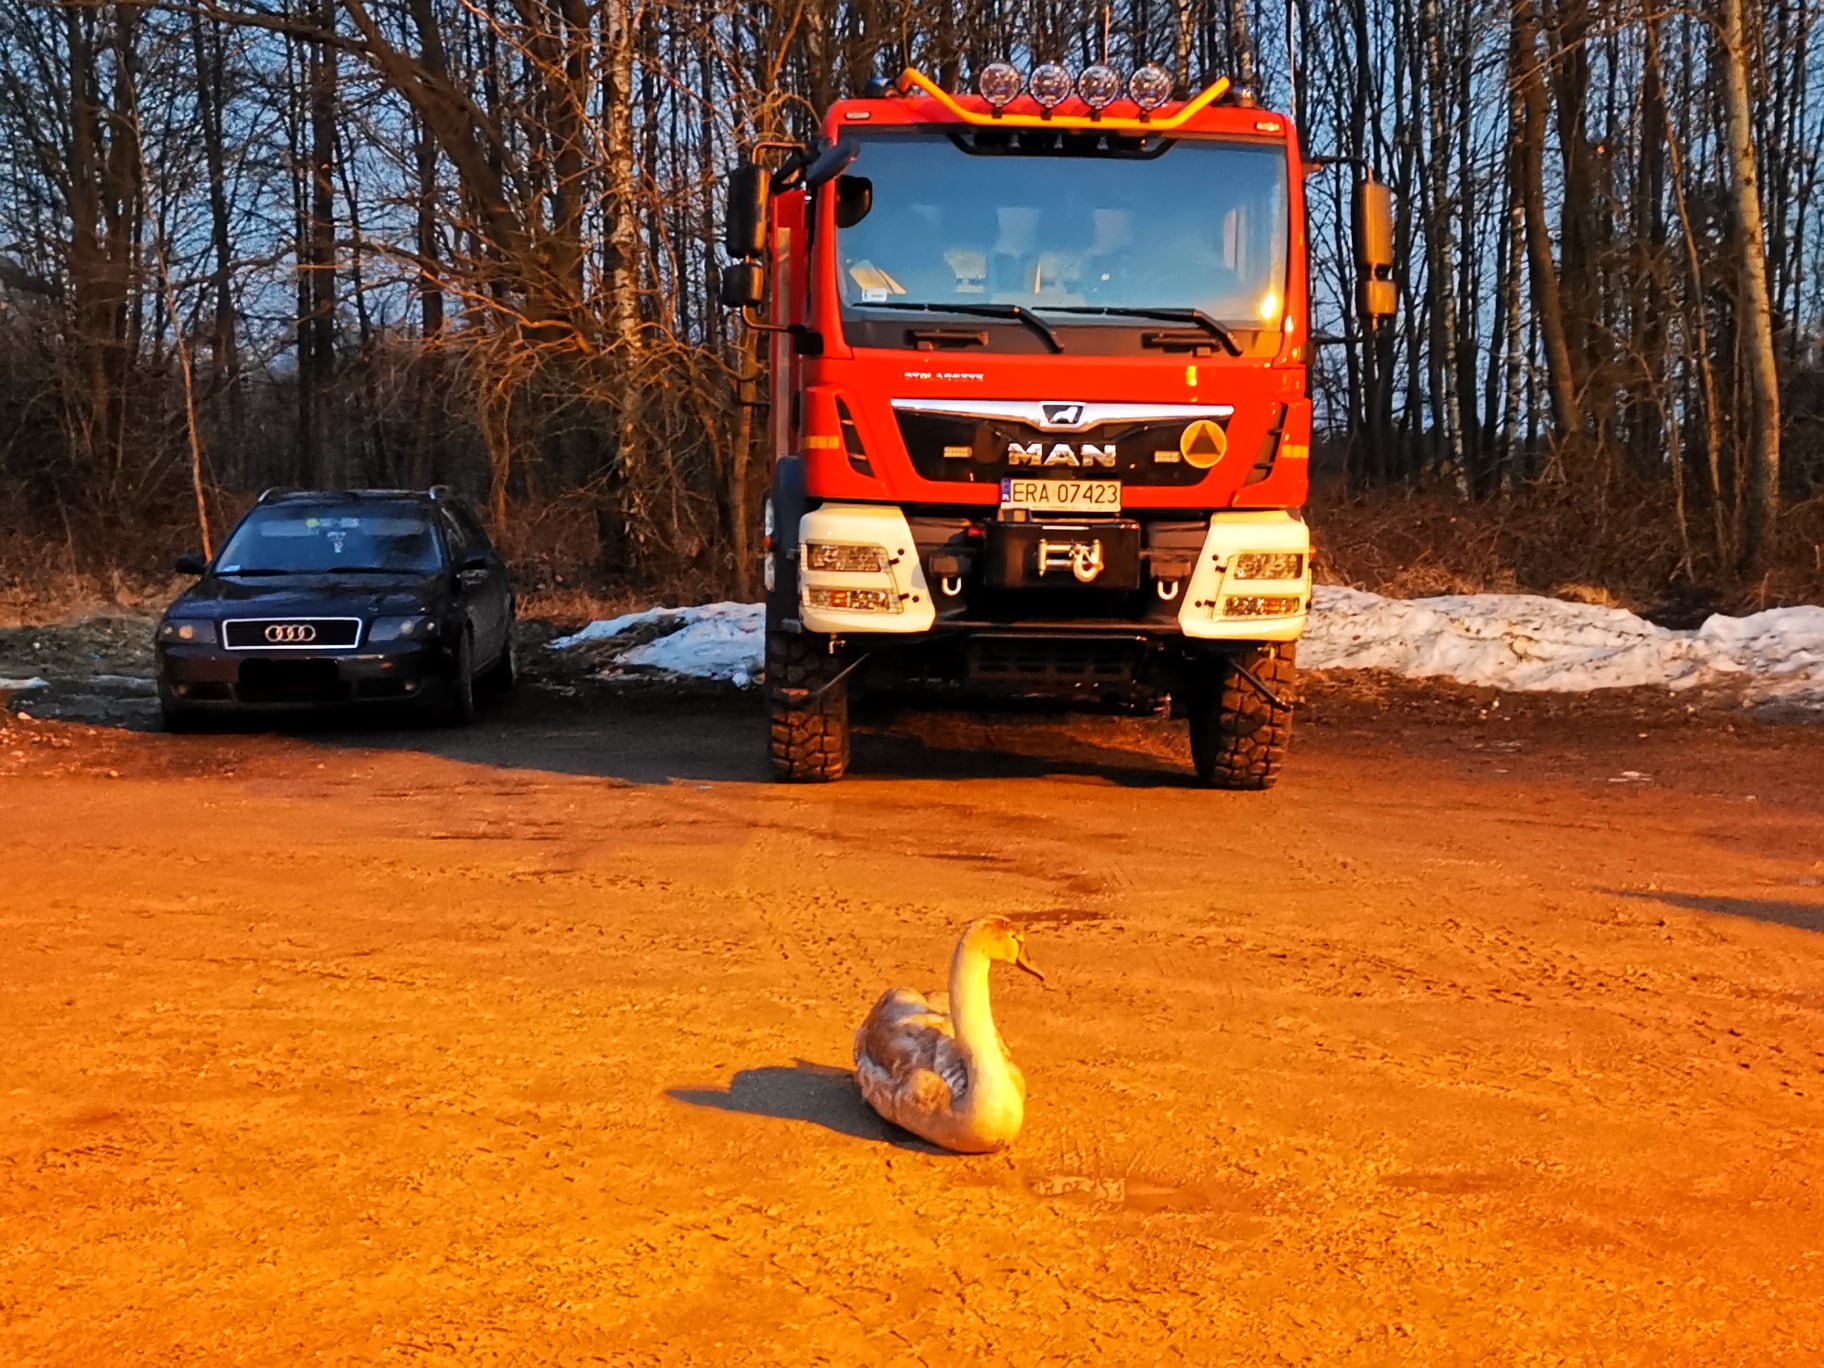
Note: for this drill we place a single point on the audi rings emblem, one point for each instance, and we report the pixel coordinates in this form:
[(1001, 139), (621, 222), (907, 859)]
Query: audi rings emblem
[(290, 633)]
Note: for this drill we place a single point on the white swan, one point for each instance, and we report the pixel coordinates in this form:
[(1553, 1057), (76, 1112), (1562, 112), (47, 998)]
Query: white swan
[(937, 1067)]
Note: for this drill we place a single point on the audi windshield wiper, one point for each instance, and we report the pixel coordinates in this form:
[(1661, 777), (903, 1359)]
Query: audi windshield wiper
[(1019, 313), (1194, 316)]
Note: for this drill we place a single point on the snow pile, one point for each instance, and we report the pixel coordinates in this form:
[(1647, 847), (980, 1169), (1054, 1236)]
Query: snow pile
[(1525, 643), (723, 641), (23, 685), (1516, 642)]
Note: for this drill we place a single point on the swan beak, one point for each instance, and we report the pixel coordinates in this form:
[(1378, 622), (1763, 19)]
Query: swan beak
[(1021, 962)]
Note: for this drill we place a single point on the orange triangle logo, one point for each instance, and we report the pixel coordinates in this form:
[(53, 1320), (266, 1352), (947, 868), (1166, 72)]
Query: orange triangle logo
[(1203, 443)]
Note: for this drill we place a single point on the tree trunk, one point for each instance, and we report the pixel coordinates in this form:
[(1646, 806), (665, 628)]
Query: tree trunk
[(1756, 312)]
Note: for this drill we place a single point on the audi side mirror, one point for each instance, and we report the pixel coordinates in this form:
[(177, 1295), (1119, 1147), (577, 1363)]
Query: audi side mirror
[(190, 563)]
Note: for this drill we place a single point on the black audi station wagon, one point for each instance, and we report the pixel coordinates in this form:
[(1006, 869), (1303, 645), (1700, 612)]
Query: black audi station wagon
[(336, 597)]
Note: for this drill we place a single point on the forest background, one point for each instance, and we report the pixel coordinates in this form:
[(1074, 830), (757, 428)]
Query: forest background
[(392, 242)]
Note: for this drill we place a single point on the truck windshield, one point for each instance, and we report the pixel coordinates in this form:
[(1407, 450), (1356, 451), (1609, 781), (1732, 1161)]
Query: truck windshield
[(1177, 225)]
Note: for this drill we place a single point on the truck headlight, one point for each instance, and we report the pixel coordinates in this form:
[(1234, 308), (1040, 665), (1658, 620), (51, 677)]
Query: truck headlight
[(854, 560), (188, 632), (1261, 606), (414, 628), (1268, 565), (852, 600)]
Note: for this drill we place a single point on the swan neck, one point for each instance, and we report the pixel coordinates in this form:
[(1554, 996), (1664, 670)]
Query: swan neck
[(970, 1015)]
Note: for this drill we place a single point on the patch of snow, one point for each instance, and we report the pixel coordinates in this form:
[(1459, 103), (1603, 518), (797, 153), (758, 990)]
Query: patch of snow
[(1524, 643), (608, 628), (1514, 642), (725, 641), (23, 685)]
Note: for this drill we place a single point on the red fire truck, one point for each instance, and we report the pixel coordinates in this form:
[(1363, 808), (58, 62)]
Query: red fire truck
[(1039, 411)]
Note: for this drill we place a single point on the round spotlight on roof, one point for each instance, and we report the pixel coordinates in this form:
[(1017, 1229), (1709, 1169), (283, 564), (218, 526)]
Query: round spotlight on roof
[(1000, 83), (1050, 85), (1098, 86), (1150, 87)]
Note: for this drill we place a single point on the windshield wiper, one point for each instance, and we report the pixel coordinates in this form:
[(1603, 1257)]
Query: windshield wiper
[(319, 570), (1019, 313), (1194, 316)]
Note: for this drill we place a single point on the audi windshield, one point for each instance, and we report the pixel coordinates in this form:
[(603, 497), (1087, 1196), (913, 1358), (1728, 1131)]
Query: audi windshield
[(1060, 229), (292, 539)]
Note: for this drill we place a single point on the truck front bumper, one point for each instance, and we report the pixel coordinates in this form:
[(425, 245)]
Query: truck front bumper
[(866, 569)]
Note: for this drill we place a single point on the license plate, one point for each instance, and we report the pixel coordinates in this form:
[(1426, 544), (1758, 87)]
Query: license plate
[(1072, 496)]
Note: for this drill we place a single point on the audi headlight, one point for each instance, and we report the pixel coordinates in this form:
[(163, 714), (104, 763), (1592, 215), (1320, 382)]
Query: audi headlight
[(1268, 565), (415, 628), (187, 631), (854, 560)]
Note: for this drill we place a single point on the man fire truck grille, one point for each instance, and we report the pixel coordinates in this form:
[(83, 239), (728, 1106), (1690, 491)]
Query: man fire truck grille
[(983, 451)]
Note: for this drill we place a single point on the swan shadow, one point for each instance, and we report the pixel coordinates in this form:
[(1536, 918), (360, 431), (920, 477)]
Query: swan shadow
[(818, 1093)]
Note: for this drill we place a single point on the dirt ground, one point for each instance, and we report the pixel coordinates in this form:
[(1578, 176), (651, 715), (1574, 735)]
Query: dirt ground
[(1494, 1035)]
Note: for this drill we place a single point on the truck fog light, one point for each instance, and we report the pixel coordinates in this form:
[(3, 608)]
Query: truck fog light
[(1268, 565), (852, 600), (1000, 83), (855, 560), (1050, 85), (1150, 87), (1261, 606), (1098, 86)]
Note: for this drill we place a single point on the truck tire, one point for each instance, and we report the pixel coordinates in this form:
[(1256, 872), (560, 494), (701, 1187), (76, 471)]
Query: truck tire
[(1238, 737), (807, 730)]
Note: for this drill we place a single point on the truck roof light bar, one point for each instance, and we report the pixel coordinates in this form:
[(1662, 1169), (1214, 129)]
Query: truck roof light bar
[(912, 80)]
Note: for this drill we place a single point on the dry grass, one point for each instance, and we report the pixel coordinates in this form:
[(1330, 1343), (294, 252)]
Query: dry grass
[(1410, 544)]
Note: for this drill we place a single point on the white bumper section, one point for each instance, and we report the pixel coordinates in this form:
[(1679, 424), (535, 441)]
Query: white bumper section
[(1219, 605), (895, 591)]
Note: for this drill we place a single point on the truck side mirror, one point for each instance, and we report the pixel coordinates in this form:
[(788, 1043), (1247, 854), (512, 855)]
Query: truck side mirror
[(750, 192), (1378, 297), (743, 285), (191, 564)]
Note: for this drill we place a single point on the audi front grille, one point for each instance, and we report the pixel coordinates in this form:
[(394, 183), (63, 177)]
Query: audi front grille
[(292, 634)]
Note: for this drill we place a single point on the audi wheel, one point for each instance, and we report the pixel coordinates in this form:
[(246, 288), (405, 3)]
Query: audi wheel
[(459, 706)]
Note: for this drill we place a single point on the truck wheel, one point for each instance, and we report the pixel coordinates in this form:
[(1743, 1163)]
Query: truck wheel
[(1238, 737), (807, 731)]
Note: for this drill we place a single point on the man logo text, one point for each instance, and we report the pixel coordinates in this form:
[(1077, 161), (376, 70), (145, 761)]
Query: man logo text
[(1061, 454)]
